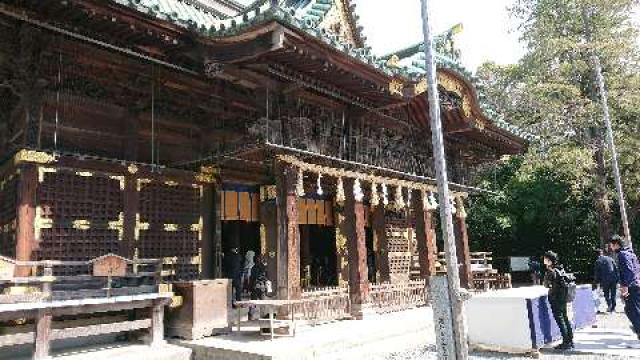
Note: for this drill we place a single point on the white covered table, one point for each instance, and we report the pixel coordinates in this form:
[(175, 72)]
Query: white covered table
[(519, 320)]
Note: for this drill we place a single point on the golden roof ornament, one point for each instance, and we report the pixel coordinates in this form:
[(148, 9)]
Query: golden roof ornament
[(456, 86), (396, 87), (420, 87), (393, 62), (207, 174)]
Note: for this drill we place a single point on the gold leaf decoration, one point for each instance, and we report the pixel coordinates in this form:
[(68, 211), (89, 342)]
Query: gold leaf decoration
[(395, 87), (132, 169), (456, 86), (421, 87), (140, 226), (41, 223), (263, 240), (207, 174), (268, 193), (118, 225), (82, 224), (43, 170), (170, 227), (120, 179), (32, 156), (142, 182)]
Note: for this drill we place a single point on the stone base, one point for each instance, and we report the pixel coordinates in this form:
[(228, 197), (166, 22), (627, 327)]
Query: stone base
[(192, 333), (118, 351), (362, 311)]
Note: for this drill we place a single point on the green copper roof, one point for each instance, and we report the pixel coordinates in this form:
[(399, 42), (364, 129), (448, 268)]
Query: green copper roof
[(187, 13), (306, 15)]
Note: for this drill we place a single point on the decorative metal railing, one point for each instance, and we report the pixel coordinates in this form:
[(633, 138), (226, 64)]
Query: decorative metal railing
[(326, 304), (390, 297)]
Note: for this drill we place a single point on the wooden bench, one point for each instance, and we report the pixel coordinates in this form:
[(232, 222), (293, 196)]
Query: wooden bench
[(70, 288), (272, 307)]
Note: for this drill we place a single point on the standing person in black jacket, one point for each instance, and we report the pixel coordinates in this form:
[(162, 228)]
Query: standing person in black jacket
[(258, 284), (605, 274), (234, 267), (558, 292)]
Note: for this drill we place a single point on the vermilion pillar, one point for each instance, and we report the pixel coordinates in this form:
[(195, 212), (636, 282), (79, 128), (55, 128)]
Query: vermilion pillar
[(381, 245), (26, 216), (288, 246), (425, 236), (462, 246), (356, 244)]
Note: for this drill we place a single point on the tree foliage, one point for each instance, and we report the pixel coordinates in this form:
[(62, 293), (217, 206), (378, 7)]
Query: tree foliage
[(546, 197)]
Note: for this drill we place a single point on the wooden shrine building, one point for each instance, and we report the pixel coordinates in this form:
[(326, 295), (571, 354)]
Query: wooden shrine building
[(181, 129)]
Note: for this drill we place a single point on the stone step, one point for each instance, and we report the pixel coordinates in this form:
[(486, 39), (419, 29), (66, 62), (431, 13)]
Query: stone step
[(123, 352)]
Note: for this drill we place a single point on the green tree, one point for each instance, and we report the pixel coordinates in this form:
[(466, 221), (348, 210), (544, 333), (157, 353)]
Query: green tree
[(550, 198)]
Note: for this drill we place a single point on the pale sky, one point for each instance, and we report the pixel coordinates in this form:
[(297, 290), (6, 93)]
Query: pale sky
[(489, 34)]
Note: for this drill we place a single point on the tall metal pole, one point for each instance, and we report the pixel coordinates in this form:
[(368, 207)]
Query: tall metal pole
[(597, 69), (453, 276)]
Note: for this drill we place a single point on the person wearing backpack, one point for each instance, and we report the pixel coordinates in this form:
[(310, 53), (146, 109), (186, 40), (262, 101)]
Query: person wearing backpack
[(559, 284), (629, 281)]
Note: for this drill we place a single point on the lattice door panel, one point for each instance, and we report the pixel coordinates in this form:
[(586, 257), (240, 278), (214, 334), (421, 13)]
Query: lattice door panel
[(75, 215), (8, 203), (170, 227), (400, 245), (67, 196)]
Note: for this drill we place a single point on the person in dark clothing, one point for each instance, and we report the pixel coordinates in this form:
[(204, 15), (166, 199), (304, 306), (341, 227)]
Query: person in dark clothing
[(558, 292), (258, 284), (605, 274), (234, 267), (258, 279), (629, 281), (535, 270)]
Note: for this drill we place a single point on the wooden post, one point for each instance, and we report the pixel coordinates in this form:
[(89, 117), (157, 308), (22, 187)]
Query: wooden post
[(217, 230), (43, 334), (26, 216), (356, 240), (157, 324), (129, 244), (381, 244), (425, 236), (207, 245), (342, 252), (288, 253), (268, 219), (462, 246)]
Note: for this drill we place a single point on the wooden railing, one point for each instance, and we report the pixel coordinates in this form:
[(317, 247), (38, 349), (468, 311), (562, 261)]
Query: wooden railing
[(324, 304), (491, 281), (390, 297), (57, 289), (105, 276)]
